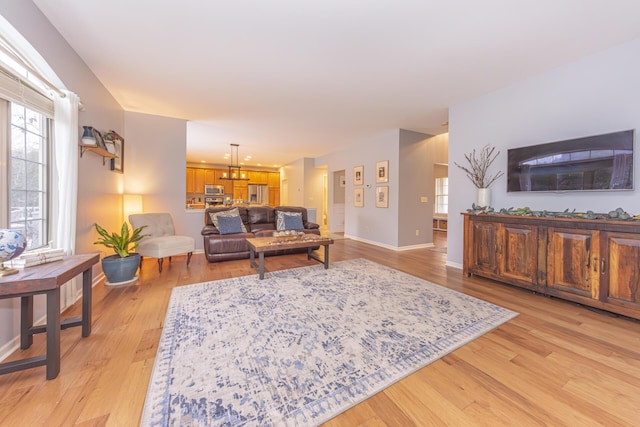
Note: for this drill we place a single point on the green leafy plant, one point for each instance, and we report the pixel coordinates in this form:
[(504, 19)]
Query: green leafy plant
[(121, 243), (479, 166)]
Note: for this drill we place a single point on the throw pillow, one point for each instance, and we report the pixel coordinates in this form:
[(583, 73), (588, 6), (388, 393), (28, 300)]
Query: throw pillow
[(229, 213), (280, 220), (229, 224), (293, 222)]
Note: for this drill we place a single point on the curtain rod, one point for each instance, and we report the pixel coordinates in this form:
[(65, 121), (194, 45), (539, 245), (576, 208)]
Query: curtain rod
[(30, 69)]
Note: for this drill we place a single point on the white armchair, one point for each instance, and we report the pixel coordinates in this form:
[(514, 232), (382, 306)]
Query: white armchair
[(160, 240)]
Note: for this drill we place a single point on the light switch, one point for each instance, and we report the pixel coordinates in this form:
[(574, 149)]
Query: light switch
[(424, 199)]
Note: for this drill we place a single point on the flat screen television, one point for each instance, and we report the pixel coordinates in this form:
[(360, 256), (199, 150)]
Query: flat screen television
[(592, 163)]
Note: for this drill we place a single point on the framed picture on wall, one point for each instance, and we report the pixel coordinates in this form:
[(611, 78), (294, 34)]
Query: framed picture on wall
[(382, 197), (382, 171), (358, 197), (117, 163), (99, 140), (358, 175)]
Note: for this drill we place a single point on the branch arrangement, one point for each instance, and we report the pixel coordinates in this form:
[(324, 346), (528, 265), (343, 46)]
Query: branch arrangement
[(479, 167)]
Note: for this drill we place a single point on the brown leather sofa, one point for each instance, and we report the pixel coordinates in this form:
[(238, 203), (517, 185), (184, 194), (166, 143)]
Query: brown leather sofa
[(260, 221)]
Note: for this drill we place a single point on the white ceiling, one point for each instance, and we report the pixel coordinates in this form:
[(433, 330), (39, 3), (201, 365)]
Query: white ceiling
[(287, 79)]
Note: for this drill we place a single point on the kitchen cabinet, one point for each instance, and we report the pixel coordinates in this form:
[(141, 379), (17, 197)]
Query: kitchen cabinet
[(191, 177), (273, 180), (198, 186), (240, 190), (258, 177), (198, 177), (591, 262), (209, 177), (274, 197)]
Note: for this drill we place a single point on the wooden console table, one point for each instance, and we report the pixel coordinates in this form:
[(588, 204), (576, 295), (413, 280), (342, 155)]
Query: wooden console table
[(47, 279), (591, 262)]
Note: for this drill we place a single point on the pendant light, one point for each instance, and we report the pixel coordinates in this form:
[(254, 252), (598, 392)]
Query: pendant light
[(234, 174)]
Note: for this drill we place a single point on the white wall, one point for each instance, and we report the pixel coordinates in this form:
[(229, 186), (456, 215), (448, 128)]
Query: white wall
[(598, 94), (155, 167), (293, 174), (368, 223), (418, 154), (314, 187)]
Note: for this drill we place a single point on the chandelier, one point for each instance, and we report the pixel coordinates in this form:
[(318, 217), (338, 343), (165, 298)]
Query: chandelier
[(234, 173)]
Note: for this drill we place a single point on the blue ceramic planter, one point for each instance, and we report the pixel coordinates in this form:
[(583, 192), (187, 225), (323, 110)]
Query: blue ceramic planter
[(120, 270)]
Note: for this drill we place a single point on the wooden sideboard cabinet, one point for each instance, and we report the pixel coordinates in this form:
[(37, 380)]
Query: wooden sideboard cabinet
[(592, 262)]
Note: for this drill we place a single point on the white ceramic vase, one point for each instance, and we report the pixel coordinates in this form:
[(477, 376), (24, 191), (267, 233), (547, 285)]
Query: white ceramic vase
[(484, 197)]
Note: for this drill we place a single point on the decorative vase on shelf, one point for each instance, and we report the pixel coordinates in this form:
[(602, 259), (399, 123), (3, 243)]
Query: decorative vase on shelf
[(484, 197), (87, 136), (12, 244)]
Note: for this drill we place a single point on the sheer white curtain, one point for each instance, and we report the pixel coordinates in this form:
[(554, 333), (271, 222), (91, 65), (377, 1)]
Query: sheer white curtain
[(65, 181)]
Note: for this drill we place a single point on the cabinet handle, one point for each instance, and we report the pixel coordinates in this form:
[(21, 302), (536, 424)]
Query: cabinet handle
[(595, 264), (602, 263)]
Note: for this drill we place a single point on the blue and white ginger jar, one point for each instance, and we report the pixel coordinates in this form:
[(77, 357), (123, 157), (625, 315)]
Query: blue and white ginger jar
[(12, 244)]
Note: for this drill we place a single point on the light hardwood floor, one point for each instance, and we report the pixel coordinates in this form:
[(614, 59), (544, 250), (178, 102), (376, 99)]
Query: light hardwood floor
[(556, 364)]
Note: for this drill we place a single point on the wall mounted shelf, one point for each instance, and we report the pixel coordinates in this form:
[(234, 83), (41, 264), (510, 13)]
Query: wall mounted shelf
[(99, 151)]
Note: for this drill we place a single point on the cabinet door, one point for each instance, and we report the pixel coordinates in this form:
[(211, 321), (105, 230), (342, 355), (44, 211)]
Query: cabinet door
[(240, 190), (274, 179), (620, 270), (274, 197), (191, 183), (572, 261), (518, 254), (258, 177), (484, 238), (199, 181), (240, 193), (209, 177)]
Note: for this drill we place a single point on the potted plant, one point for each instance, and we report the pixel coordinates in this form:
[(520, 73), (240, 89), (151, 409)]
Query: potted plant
[(121, 267), (478, 172)]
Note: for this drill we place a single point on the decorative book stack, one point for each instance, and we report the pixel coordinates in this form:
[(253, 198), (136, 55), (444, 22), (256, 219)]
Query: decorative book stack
[(36, 258)]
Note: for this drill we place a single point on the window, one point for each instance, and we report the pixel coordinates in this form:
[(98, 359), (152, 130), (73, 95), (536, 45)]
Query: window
[(442, 196), (28, 174)]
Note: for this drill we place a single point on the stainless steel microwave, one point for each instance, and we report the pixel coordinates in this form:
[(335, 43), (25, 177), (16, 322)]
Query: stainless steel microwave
[(213, 190)]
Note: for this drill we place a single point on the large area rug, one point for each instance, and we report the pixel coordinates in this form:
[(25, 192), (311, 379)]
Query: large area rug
[(302, 345)]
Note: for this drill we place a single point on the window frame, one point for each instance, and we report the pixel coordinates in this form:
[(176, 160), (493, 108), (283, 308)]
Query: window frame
[(440, 184), (43, 162)]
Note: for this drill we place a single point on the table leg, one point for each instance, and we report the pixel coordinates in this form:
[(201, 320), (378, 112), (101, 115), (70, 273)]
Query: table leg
[(252, 257), (53, 333), (261, 266), (309, 253), (86, 302), (326, 257), (26, 322)]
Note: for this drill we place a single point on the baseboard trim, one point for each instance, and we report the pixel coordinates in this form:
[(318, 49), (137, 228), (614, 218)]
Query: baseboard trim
[(393, 248), (453, 264)]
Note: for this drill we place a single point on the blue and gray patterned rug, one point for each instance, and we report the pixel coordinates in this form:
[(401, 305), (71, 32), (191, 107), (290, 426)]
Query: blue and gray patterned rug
[(303, 345)]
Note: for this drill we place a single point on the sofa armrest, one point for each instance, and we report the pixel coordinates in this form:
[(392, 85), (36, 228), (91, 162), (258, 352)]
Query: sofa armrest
[(209, 229), (312, 225)]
